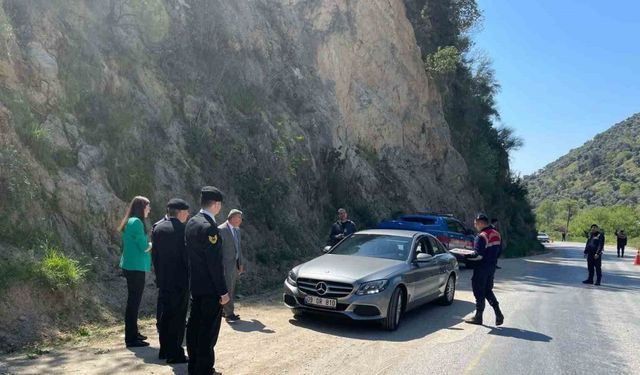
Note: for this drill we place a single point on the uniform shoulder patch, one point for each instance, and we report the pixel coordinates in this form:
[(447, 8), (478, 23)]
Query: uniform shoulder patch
[(213, 239)]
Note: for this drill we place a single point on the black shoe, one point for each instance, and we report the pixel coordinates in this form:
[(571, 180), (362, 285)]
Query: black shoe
[(141, 336), (177, 360), (588, 282), (498, 267), (499, 319), (137, 344), (233, 318), (477, 320), (597, 283)]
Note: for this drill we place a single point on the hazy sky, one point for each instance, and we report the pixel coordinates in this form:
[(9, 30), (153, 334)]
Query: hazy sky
[(569, 69)]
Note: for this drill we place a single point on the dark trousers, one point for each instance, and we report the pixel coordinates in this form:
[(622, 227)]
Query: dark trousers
[(158, 311), (174, 304), (135, 287), (621, 250), (596, 264), (482, 284), (202, 333)]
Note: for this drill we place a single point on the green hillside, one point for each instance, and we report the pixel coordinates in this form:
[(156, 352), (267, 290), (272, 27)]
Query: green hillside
[(603, 172)]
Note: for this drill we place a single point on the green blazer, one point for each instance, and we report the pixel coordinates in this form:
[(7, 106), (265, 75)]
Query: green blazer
[(135, 243)]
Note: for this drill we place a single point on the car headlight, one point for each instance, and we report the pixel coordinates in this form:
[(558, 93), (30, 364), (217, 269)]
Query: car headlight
[(292, 278), (372, 287)]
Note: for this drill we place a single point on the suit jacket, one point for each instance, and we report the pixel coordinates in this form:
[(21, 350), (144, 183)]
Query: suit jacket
[(229, 246), (204, 247)]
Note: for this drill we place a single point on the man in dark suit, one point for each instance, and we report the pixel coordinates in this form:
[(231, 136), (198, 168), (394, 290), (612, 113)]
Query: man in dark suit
[(231, 258), (172, 277), (208, 288)]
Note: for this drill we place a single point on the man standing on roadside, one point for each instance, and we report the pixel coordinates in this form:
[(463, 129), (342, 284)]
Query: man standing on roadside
[(172, 277), (486, 248), (593, 252), (232, 259), (621, 242), (208, 288), (341, 228)]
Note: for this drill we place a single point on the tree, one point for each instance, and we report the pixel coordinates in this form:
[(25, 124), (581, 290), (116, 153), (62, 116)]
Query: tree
[(568, 208), (547, 211)]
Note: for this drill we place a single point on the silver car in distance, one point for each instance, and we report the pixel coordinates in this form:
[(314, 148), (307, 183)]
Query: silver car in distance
[(374, 275)]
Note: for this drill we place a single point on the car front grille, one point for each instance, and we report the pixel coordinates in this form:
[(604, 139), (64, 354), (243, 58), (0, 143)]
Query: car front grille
[(334, 289)]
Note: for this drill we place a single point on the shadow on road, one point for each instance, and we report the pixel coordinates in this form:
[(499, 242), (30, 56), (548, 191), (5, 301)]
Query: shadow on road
[(252, 325), (150, 355), (517, 333), (566, 267), (415, 324)]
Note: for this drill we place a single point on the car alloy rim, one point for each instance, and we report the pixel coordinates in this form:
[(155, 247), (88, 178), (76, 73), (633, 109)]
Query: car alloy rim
[(450, 290), (398, 308)]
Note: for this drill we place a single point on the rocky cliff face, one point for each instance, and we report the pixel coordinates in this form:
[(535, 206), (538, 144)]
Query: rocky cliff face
[(291, 107)]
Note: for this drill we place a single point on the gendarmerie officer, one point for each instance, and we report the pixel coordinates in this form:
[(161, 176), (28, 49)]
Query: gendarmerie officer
[(487, 246), (341, 228), (593, 252), (172, 277), (154, 262), (208, 288)]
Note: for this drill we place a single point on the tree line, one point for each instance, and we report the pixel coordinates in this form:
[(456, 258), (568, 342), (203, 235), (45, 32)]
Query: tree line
[(575, 218)]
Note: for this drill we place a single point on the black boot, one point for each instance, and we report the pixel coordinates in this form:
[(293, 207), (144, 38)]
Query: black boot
[(476, 319), (587, 281), (499, 316)]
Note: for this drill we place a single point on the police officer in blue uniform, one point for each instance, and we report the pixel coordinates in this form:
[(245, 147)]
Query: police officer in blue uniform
[(172, 278), (208, 289), (487, 247)]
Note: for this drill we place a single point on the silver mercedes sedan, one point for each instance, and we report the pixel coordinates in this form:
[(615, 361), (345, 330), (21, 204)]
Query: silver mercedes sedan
[(374, 275)]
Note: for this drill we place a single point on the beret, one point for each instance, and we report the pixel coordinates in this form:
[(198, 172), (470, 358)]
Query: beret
[(178, 204)]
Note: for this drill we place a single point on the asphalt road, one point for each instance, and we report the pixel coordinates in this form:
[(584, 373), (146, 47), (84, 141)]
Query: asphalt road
[(554, 325)]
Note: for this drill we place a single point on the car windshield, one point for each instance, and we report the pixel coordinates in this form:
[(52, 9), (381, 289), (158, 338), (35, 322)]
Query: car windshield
[(376, 246)]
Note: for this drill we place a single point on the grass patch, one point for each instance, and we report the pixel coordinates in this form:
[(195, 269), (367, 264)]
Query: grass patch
[(54, 270), (59, 271)]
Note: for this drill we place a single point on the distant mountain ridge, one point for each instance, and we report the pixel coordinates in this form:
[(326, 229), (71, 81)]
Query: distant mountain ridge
[(605, 171)]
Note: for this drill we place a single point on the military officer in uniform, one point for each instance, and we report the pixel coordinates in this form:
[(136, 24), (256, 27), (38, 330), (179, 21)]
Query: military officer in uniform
[(341, 228), (208, 288), (154, 262), (487, 246), (172, 277), (593, 252)]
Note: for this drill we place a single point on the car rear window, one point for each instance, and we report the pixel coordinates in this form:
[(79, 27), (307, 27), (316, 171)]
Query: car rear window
[(376, 246), (421, 220)]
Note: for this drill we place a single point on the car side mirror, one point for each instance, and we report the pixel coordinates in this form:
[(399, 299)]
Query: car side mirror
[(326, 249), (424, 257)]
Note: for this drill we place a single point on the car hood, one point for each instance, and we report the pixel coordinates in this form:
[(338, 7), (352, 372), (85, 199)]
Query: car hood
[(348, 268)]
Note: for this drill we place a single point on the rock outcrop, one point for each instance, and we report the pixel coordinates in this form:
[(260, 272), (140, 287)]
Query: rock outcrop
[(291, 107)]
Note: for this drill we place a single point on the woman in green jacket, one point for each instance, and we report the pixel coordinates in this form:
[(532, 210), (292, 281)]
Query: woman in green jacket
[(135, 261)]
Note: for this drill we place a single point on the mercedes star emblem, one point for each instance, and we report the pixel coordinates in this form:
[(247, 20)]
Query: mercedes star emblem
[(321, 288)]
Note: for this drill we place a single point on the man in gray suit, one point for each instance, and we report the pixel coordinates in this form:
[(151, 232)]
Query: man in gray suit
[(231, 258)]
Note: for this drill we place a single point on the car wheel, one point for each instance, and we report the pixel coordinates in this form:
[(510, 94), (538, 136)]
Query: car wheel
[(394, 313), (449, 292)]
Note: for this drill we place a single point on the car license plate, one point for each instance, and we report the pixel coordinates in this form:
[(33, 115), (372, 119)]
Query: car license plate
[(319, 301)]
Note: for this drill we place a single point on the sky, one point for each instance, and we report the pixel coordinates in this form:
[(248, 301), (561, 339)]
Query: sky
[(568, 70)]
